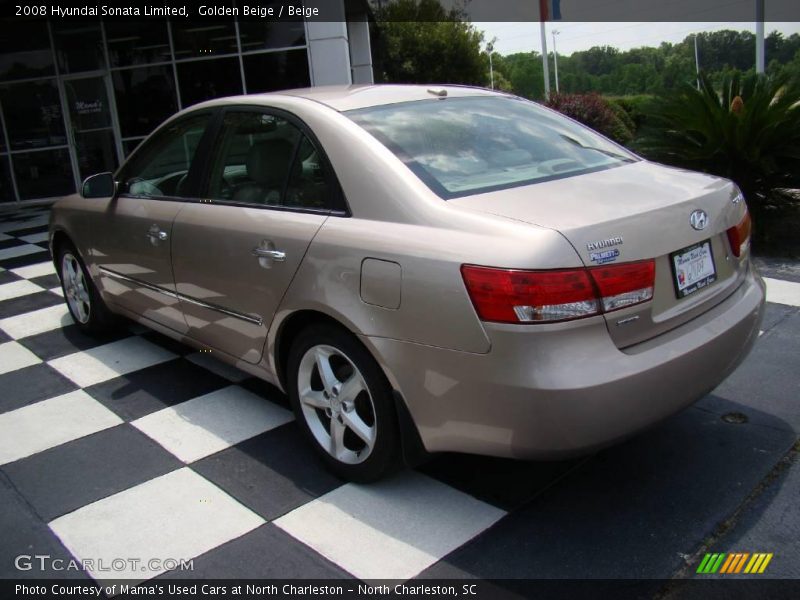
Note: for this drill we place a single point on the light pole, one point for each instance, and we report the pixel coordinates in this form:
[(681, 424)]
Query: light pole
[(697, 61), (555, 56), (489, 50)]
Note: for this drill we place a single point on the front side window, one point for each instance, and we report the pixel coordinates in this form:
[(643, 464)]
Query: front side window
[(265, 160), (161, 166), (469, 145)]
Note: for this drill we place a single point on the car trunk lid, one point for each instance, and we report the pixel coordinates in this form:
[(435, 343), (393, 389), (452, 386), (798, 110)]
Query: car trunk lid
[(635, 212)]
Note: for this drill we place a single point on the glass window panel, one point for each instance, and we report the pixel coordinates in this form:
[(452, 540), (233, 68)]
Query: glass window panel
[(160, 169), (261, 35), (96, 152), (43, 174), (79, 46), (205, 37), (25, 51), (307, 186), (145, 98), (6, 187), (131, 44), (128, 146), (252, 163), (276, 71), (88, 103), (206, 79), (32, 112)]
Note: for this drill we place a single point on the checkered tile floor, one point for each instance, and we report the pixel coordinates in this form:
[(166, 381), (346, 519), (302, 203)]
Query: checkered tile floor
[(134, 446)]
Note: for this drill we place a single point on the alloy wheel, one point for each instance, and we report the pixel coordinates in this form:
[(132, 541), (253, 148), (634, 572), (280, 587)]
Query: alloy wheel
[(75, 288), (336, 404)]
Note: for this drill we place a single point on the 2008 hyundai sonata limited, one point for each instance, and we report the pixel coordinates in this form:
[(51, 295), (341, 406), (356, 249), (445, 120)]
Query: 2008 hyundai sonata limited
[(422, 269)]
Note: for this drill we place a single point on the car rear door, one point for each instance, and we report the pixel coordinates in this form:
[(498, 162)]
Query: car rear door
[(235, 253), (134, 252)]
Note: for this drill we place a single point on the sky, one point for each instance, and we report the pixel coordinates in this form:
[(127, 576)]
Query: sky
[(575, 36)]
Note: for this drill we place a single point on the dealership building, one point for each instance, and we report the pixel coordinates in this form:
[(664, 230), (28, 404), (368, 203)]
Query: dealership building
[(77, 96)]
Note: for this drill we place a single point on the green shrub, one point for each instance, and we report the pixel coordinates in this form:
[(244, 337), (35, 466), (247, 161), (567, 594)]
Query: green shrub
[(749, 131), (592, 110)]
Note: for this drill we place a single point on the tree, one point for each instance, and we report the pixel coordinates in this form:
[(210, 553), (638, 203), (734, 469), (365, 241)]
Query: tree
[(418, 41)]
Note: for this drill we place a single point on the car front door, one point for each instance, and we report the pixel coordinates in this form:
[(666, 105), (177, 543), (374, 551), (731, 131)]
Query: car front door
[(134, 253), (235, 253)]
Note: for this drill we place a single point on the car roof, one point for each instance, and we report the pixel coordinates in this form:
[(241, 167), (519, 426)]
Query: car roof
[(351, 97)]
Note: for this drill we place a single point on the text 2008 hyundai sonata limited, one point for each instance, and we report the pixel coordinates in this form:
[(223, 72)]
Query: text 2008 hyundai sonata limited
[(447, 269)]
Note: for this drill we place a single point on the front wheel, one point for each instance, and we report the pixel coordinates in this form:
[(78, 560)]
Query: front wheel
[(83, 300), (343, 402)]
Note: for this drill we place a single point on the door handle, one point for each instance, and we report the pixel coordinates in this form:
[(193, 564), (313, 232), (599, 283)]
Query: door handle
[(276, 255), (156, 235)]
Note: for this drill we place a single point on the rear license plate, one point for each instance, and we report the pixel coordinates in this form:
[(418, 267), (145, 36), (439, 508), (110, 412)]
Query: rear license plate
[(693, 268)]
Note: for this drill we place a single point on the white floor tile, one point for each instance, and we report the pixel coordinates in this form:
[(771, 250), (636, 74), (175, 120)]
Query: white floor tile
[(392, 529), (15, 251), (57, 291), (783, 292), (16, 289), (37, 321), (210, 423), (208, 362), (111, 360), (52, 422), (179, 515), (15, 356), (36, 238), (36, 270)]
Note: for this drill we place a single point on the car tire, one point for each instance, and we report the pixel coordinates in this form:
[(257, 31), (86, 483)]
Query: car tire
[(344, 404), (85, 305)]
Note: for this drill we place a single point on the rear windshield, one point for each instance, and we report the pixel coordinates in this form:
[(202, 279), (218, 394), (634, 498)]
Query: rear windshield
[(464, 146)]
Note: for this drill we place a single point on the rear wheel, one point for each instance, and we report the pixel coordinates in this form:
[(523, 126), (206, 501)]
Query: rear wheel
[(343, 403), (83, 300)]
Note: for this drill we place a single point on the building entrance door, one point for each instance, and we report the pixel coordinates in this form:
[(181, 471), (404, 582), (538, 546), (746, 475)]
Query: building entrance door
[(90, 123)]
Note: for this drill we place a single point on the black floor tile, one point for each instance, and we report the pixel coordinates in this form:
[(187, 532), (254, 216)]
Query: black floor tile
[(28, 303), (32, 384), (47, 281), (24, 533), (72, 475), (8, 277), (264, 553), (145, 391), (24, 261), (272, 473), (69, 339)]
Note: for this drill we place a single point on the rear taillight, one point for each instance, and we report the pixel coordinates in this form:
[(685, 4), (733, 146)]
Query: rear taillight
[(739, 236), (516, 296)]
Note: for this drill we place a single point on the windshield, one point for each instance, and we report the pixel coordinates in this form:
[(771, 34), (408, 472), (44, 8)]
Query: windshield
[(463, 146)]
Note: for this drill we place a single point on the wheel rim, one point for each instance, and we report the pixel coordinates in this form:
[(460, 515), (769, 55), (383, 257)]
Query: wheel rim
[(336, 404), (75, 288)]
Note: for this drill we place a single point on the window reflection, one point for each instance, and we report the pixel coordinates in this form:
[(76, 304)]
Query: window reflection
[(43, 174), (79, 46), (145, 97), (206, 79), (6, 187), (25, 51), (33, 115), (257, 35), (195, 39), (276, 71), (131, 44)]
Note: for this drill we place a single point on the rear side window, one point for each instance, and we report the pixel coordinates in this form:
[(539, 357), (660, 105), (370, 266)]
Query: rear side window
[(470, 145), (161, 166), (265, 160)]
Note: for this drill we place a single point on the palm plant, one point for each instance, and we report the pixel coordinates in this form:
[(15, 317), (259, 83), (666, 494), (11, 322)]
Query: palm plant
[(749, 131)]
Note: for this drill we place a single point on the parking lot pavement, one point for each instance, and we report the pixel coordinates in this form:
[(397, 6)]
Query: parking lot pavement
[(132, 446)]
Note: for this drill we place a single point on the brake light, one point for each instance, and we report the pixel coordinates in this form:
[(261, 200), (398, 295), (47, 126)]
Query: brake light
[(518, 296), (739, 236)]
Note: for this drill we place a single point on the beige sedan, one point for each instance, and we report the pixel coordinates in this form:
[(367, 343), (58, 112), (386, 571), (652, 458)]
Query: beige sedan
[(422, 269)]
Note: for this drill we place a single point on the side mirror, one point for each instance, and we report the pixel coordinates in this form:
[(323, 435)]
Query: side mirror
[(101, 185)]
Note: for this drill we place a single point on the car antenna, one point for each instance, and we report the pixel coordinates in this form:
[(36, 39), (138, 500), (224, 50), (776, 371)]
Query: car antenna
[(441, 92)]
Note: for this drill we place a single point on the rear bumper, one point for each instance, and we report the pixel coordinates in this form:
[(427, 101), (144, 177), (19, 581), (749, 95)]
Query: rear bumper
[(566, 389)]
